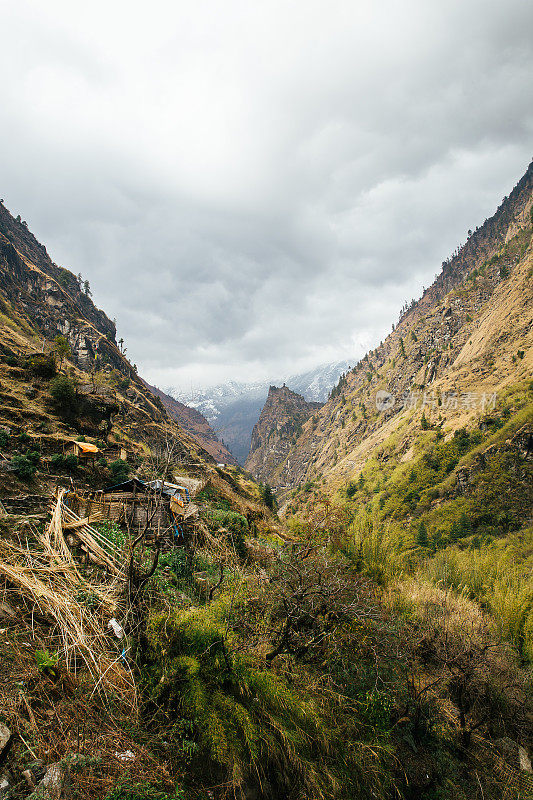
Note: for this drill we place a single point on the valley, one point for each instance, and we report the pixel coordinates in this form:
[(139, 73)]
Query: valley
[(349, 616), (234, 408)]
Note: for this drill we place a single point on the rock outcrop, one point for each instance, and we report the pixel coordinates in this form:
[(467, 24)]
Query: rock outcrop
[(281, 422)]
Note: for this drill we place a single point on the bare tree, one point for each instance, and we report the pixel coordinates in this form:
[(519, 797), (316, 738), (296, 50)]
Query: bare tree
[(138, 574), (477, 670), (307, 596), (163, 458)]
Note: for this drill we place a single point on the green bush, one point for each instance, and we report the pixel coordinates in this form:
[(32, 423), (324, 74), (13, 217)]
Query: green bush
[(351, 490), (504, 272), (23, 467), (69, 462), (268, 497), (248, 725), (113, 532), (63, 391), (44, 659), (120, 470), (4, 438), (235, 524), (43, 365)]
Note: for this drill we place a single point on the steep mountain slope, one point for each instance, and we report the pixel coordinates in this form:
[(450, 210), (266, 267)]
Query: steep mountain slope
[(196, 425), (82, 386), (278, 427), (452, 356)]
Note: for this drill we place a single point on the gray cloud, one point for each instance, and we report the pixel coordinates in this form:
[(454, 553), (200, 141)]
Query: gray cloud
[(253, 189)]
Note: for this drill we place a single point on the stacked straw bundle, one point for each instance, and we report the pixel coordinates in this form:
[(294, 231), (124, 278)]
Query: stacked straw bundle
[(49, 583)]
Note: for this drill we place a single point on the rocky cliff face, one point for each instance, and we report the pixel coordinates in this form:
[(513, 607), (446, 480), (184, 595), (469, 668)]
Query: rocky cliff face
[(40, 300), (196, 425), (277, 430), (464, 343), (233, 409)]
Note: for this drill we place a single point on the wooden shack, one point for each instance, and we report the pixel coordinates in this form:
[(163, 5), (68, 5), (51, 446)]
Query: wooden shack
[(85, 451), (156, 506), (115, 453)]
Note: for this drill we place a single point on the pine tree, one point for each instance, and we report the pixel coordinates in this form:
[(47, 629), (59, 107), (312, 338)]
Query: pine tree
[(422, 535), (61, 348)]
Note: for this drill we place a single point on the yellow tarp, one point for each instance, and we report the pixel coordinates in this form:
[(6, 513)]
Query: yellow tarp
[(86, 447)]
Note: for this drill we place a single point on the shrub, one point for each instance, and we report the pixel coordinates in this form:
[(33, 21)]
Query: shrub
[(61, 348), (504, 272), (422, 535), (351, 490), (61, 461), (71, 461), (57, 460), (4, 437), (235, 524), (120, 470), (64, 278), (63, 391), (46, 660), (42, 365), (112, 532), (248, 724), (23, 467)]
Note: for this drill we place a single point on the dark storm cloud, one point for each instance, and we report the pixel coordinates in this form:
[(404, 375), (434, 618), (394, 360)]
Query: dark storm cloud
[(253, 189)]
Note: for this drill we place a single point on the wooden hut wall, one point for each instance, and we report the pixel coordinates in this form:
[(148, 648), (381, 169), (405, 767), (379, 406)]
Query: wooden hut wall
[(126, 508), (137, 510)]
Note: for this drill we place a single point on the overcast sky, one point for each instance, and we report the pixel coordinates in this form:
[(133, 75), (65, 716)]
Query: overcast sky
[(254, 188)]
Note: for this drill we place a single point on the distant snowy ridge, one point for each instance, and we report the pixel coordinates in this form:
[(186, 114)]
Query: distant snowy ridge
[(314, 385), (233, 408)]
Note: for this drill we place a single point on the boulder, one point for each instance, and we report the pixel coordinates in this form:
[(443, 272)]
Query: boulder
[(52, 785), (514, 754), (5, 741), (5, 787)]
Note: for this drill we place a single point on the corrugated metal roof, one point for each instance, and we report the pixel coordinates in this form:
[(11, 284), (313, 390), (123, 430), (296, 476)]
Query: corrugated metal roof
[(166, 488)]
